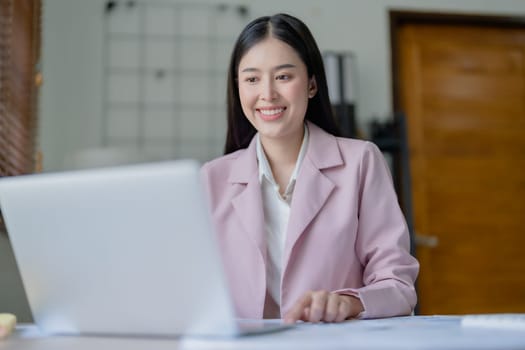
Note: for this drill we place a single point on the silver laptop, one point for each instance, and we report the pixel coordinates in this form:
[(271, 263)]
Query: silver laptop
[(123, 250)]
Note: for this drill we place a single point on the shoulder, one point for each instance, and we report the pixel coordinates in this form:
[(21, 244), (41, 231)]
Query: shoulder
[(365, 158), (371, 159), (340, 153), (328, 151), (222, 163), (325, 142), (362, 158), (354, 144), (218, 170), (224, 177), (353, 147)]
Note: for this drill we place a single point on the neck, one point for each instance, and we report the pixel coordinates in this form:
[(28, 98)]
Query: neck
[(282, 155), (282, 151)]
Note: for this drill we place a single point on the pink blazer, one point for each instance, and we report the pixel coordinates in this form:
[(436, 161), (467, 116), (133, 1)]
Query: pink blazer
[(346, 232)]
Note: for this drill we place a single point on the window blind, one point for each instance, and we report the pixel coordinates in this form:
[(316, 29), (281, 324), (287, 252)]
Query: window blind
[(19, 52)]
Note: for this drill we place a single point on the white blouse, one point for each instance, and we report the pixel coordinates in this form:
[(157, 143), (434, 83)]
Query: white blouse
[(276, 215)]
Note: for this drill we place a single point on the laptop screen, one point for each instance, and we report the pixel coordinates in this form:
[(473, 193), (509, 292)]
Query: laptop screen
[(124, 250)]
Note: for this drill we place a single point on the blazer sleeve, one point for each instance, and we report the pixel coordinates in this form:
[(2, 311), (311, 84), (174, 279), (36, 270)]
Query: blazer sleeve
[(383, 244)]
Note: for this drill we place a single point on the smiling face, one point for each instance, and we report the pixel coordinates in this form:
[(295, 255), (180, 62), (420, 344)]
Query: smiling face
[(274, 89)]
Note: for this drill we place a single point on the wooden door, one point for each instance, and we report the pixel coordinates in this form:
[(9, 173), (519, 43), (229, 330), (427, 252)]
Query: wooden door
[(462, 88)]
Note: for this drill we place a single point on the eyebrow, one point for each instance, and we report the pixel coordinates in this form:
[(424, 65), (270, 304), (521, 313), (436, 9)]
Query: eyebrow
[(279, 67)]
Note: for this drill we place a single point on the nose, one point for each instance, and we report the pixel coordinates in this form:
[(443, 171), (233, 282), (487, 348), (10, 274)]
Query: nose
[(268, 91)]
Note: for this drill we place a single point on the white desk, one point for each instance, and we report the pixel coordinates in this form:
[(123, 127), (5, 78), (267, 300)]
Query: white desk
[(416, 332)]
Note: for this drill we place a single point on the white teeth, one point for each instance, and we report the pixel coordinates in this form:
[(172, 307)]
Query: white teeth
[(271, 111)]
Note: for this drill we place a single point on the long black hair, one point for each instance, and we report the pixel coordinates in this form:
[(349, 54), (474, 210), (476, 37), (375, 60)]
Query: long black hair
[(295, 33)]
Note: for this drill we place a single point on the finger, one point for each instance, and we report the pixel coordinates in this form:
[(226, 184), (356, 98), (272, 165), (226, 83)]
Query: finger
[(306, 314), (318, 306), (344, 309), (297, 311), (332, 307)]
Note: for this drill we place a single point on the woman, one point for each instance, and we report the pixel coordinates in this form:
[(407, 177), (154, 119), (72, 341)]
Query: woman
[(308, 223)]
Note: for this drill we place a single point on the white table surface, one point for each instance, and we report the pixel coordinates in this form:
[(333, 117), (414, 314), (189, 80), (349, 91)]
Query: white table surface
[(414, 332)]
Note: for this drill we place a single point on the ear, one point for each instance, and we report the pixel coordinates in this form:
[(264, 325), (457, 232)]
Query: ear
[(312, 87)]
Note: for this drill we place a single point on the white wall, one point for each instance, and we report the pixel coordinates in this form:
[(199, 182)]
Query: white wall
[(70, 98), (70, 112)]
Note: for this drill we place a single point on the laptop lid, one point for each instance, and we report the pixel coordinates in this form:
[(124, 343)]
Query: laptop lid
[(124, 250)]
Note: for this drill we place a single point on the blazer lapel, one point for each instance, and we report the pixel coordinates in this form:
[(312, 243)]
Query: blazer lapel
[(312, 187), (248, 203)]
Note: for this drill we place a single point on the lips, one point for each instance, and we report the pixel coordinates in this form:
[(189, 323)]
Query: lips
[(271, 113)]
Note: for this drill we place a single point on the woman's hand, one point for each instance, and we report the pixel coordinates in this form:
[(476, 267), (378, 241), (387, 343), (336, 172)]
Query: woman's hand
[(324, 306)]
